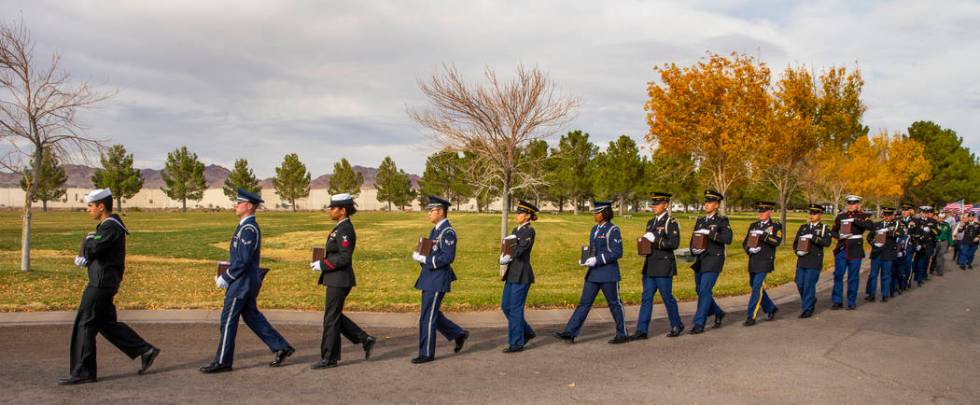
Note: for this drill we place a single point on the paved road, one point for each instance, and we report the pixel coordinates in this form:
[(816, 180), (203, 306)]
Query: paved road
[(921, 347)]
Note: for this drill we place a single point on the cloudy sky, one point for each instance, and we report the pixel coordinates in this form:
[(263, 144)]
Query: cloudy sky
[(332, 79)]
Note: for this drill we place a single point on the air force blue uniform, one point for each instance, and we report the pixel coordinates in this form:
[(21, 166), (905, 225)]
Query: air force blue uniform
[(606, 245), (435, 280), (244, 282)]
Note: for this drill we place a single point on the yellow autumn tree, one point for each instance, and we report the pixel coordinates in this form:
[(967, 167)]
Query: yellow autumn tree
[(715, 111), (793, 135), (881, 166)]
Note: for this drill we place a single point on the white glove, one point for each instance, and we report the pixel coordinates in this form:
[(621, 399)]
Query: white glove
[(505, 259), (650, 236), (883, 230), (918, 248), (590, 262), (220, 282), (925, 228), (807, 236), (703, 231), (844, 236), (80, 261), (801, 253), (418, 257), (756, 232), (755, 250), (879, 244), (901, 253), (697, 251), (511, 236), (315, 266)]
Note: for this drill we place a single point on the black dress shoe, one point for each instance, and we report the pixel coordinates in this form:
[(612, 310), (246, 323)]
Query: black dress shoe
[(697, 329), (718, 317), (514, 349), (564, 336), (368, 344), (869, 298), (214, 368), (851, 307), (618, 340), (639, 336), (460, 341), (836, 306), (146, 359), (529, 336), (281, 356), (771, 314), (76, 380), (420, 359), (323, 363), (748, 322), (806, 314), (675, 331), (884, 299)]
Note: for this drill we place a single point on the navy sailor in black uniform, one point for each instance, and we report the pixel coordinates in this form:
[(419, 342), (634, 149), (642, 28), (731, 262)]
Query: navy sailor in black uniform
[(435, 281), (518, 278), (104, 255), (660, 267), (242, 282), (337, 274)]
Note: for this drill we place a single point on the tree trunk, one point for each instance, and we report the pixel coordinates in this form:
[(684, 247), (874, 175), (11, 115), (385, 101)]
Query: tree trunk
[(389, 206), (119, 204), (622, 204), (25, 236), (183, 204), (505, 206), (575, 206), (561, 204), (293, 204), (44, 205)]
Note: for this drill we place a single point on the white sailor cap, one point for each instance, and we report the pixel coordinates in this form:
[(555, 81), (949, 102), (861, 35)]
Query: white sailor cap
[(341, 200), (853, 199), (97, 195)]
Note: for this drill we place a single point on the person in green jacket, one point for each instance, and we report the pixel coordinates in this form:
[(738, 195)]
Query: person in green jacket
[(943, 242)]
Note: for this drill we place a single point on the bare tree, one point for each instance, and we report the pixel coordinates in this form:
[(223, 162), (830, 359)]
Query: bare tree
[(38, 107), (493, 121)]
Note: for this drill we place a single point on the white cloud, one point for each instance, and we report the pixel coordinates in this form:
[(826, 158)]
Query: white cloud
[(333, 79)]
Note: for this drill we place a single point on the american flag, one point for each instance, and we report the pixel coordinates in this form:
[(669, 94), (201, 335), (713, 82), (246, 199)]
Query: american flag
[(961, 206)]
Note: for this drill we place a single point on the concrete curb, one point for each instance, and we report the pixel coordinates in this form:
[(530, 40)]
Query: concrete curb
[(783, 294)]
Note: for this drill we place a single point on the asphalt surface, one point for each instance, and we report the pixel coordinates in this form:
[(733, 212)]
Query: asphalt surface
[(921, 347)]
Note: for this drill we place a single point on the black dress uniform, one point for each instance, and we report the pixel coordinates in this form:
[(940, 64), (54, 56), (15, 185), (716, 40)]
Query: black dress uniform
[(848, 254), (809, 262), (762, 261), (883, 256), (104, 253), (659, 269), (927, 232), (902, 267), (709, 263), (517, 281), (337, 274)]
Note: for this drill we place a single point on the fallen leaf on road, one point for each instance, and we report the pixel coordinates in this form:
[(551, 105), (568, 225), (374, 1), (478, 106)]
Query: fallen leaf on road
[(572, 385)]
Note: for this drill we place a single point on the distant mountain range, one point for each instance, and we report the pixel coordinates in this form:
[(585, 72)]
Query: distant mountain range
[(80, 176)]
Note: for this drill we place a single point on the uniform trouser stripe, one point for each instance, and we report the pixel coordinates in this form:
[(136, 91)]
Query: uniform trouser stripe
[(224, 335), (758, 302), (430, 329), (620, 299)]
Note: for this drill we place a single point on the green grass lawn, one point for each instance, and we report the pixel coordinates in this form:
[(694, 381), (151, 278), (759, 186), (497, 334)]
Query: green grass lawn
[(171, 257)]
